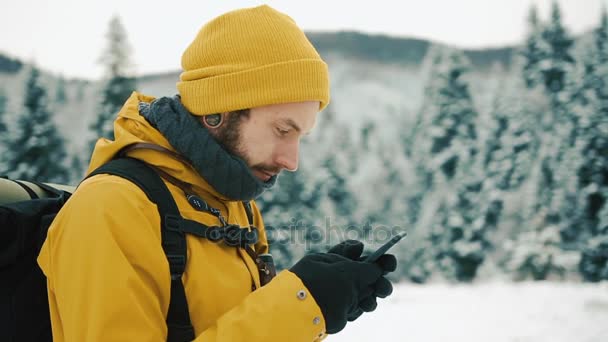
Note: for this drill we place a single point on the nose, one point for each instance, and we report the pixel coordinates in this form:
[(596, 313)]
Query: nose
[(287, 156)]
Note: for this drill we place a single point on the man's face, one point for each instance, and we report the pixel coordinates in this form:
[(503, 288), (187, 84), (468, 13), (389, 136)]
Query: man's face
[(268, 139)]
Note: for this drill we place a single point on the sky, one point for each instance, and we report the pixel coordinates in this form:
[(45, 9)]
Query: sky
[(67, 36)]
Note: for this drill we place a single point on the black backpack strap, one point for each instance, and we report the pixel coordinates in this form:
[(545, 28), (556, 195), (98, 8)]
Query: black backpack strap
[(173, 239)]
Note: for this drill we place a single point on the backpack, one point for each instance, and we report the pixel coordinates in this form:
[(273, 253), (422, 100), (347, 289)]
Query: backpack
[(24, 311)]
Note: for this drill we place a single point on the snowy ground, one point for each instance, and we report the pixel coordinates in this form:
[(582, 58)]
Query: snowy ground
[(496, 312)]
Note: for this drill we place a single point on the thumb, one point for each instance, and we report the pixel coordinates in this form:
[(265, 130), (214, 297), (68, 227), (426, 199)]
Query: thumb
[(350, 249)]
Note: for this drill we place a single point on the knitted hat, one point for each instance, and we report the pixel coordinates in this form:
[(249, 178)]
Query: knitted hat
[(249, 58)]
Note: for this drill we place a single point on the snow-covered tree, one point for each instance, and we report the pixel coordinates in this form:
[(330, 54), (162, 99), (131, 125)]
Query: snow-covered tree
[(594, 258), (456, 207), (558, 122), (537, 255), (557, 55), (119, 84), (446, 136), (593, 138), (341, 202), (532, 50), (36, 151), (512, 143), (461, 229), (589, 205)]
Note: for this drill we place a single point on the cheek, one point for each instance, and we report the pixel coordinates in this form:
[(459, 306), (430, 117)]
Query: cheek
[(259, 148)]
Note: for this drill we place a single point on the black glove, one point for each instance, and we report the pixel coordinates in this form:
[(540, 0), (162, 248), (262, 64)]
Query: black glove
[(342, 285), (352, 249)]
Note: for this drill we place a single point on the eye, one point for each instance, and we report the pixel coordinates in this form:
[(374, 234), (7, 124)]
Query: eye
[(282, 132)]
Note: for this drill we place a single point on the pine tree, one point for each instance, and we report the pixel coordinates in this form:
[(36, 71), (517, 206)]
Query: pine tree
[(512, 144), (536, 255), (447, 155), (557, 124), (336, 187), (533, 52), (542, 249), (592, 149), (446, 142), (558, 44), (460, 234), (119, 85), (37, 151)]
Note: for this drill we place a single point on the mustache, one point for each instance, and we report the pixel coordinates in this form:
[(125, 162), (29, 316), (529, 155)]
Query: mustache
[(267, 169)]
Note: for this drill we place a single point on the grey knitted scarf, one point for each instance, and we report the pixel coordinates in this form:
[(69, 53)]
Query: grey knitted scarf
[(226, 173)]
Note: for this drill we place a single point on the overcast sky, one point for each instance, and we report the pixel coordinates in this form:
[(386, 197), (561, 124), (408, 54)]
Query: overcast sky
[(67, 36)]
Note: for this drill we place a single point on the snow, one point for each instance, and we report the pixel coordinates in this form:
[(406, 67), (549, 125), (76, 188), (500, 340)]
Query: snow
[(491, 311)]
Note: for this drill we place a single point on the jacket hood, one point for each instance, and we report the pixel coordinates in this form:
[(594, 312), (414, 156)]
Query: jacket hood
[(129, 128)]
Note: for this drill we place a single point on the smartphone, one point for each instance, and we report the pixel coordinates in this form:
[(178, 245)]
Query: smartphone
[(384, 248)]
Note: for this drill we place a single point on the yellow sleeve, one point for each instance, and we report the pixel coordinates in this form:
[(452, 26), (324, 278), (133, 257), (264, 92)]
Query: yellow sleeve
[(283, 310)]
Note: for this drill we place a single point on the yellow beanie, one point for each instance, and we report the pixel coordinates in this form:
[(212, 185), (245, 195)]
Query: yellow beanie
[(249, 58)]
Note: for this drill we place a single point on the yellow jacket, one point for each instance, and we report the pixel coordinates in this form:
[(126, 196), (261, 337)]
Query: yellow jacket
[(108, 277)]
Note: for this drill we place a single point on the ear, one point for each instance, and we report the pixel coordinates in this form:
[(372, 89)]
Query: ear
[(213, 121)]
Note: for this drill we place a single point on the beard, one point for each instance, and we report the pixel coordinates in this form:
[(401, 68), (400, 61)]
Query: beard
[(230, 138), (229, 134)]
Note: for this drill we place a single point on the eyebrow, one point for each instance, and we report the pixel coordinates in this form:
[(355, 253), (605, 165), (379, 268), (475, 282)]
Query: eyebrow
[(294, 125)]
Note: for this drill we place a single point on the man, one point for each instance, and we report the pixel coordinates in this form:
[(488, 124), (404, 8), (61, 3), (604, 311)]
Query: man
[(251, 87)]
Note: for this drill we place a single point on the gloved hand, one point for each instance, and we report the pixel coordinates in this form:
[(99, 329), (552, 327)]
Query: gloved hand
[(342, 285), (352, 249)]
